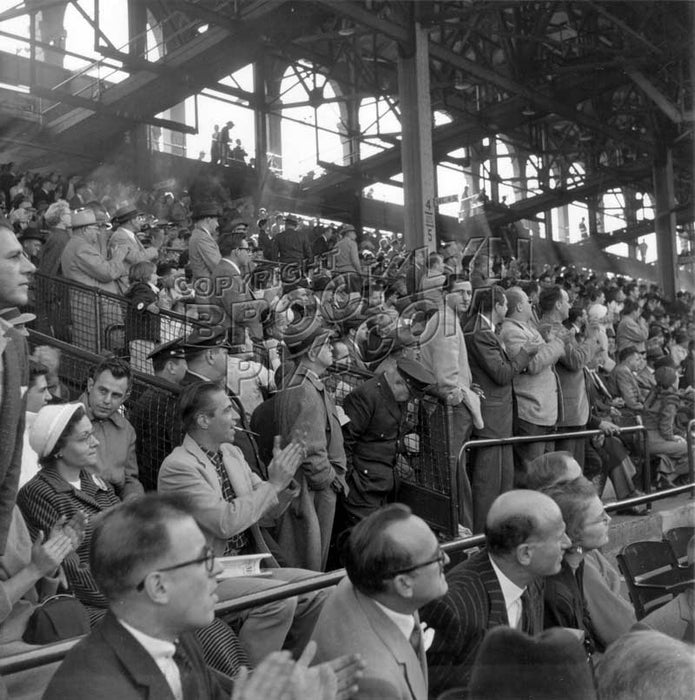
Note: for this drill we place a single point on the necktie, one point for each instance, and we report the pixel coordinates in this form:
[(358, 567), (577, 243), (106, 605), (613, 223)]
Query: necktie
[(188, 682), (416, 639), (525, 623)]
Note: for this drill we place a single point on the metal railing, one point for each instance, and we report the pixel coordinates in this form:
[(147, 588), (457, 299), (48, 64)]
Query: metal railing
[(96, 320), (51, 653), (461, 462)]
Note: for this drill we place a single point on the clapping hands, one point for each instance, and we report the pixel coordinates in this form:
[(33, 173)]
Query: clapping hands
[(278, 677)]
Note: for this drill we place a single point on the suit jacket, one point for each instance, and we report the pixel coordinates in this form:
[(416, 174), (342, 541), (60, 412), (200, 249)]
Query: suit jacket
[(203, 256), (83, 261), (189, 472), (244, 441), (351, 622), (473, 605), (110, 664), (493, 370), (536, 389), (570, 372), (14, 376), (136, 252), (230, 291)]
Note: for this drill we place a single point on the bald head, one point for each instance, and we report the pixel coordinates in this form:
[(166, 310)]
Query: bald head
[(519, 307), (516, 517)]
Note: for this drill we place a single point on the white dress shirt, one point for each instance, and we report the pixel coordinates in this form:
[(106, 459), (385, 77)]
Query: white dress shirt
[(511, 594), (162, 652)]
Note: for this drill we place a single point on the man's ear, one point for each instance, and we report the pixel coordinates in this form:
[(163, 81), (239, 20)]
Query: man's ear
[(403, 585), (523, 554), (90, 384), (156, 588)]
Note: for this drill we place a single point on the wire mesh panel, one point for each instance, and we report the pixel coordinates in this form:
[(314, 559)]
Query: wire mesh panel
[(95, 320), (151, 406)]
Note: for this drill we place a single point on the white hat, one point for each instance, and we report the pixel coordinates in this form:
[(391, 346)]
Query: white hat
[(597, 312), (49, 425)]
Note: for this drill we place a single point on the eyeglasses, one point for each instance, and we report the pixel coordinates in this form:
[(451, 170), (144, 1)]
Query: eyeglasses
[(208, 557), (85, 437), (441, 559)]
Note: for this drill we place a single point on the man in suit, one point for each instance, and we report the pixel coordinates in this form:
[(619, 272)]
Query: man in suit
[(228, 501), (128, 221), (203, 252), (525, 540), (493, 369), (292, 250), (152, 563), (374, 436), (15, 269), (230, 291), (536, 390), (555, 307), (206, 352), (394, 566)]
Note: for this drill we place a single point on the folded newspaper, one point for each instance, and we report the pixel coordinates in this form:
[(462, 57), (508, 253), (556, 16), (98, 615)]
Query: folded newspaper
[(243, 565)]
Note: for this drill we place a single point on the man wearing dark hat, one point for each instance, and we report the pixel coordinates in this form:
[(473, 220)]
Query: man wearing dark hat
[(203, 253), (375, 434), (15, 270), (206, 353), (306, 410), (292, 249), (501, 585), (153, 415), (32, 241), (129, 222)]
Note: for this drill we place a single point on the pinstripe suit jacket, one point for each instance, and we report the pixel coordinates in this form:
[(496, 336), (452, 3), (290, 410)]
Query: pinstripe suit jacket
[(473, 605), (47, 497)]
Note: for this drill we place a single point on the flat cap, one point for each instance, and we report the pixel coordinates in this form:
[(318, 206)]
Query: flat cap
[(170, 350), (291, 220), (415, 373), (206, 209), (204, 338)]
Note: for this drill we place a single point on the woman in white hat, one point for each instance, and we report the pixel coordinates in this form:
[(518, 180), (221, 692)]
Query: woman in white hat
[(64, 442)]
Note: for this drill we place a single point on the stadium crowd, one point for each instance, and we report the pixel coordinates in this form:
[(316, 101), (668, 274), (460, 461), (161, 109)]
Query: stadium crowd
[(248, 319)]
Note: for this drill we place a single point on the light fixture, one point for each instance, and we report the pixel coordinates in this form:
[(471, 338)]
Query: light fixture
[(460, 84), (203, 28), (346, 30), (528, 111)]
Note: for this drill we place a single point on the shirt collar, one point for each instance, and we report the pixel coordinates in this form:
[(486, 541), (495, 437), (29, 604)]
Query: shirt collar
[(486, 321), (116, 418), (156, 648), (510, 591), (404, 622)]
